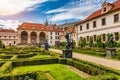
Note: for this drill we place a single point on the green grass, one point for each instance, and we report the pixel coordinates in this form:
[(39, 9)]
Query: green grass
[(58, 71)]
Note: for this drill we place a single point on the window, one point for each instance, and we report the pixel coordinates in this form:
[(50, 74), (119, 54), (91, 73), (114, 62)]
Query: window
[(50, 41), (9, 36), (55, 33), (87, 38), (104, 9), (103, 37), (116, 17), (33, 27), (116, 36), (51, 37), (80, 28), (94, 24), (24, 26), (87, 26), (58, 33), (14, 36), (14, 42), (56, 37), (4, 36), (103, 21), (50, 33), (94, 38)]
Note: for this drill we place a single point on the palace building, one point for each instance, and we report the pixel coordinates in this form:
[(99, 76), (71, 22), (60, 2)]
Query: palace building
[(33, 33), (8, 37), (101, 22)]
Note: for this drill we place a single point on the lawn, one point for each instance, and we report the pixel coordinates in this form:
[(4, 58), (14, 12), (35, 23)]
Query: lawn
[(58, 71)]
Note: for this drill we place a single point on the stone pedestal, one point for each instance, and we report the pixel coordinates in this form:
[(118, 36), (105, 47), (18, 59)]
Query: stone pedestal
[(67, 53), (110, 52)]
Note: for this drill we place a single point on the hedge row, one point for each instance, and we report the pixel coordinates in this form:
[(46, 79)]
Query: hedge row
[(100, 67), (7, 67), (37, 75), (1, 63), (5, 56), (85, 67), (35, 62), (26, 55), (105, 77)]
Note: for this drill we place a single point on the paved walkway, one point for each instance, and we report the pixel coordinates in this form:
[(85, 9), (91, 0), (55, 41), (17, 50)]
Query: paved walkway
[(105, 62)]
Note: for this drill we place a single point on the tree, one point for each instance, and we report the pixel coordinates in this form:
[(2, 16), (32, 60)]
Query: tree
[(99, 41), (83, 42), (91, 41)]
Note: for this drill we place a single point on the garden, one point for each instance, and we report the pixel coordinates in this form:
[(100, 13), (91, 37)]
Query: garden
[(33, 63)]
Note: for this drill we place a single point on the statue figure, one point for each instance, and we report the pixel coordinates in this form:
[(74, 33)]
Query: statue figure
[(110, 41), (69, 44), (46, 45)]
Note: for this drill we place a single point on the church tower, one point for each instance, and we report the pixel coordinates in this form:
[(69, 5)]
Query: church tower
[(46, 23)]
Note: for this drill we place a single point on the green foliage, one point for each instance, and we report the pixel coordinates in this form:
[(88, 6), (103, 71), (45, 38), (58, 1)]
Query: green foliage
[(91, 41), (0, 44), (99, 41), (35, 62), (63, 43), (105, 77), (83, 43)]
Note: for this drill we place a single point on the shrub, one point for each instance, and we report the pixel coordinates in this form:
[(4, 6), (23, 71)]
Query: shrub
[(35, 62)]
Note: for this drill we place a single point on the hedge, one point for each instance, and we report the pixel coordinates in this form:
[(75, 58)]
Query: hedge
[(100, 67), (32, 75), (6, 57), (105, 77), (26, 55), (1, 63), (35, 62)]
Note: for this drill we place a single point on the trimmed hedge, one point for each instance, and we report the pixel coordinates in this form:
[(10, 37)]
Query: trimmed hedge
[(26, 55), (35, 62), (37, 75), (1, 63), (105, 77), (100, 67), (6, 57)]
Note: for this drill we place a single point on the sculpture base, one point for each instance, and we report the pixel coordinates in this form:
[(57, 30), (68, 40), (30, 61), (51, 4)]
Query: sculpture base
[(110, 52), (67, 53)]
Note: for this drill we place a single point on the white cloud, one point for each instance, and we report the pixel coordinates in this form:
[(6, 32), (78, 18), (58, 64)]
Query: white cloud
[(75, 10), (10, 7), (9, 24)]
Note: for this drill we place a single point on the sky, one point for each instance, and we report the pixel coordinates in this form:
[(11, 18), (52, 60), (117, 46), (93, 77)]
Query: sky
[(15, 12)]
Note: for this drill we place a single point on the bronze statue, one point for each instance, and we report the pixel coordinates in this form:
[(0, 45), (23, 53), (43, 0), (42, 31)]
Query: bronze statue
[(69, 44), (110, 41)]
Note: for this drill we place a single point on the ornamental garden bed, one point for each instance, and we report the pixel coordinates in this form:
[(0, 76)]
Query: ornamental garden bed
[(50, 66)]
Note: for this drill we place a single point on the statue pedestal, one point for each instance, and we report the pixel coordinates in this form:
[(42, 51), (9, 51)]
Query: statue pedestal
[(110, 52), (67, 53)]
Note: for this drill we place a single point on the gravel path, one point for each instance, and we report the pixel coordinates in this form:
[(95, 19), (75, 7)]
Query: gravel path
[(102, 61)]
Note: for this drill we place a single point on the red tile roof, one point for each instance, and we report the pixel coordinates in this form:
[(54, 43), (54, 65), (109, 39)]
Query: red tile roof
[(7, 30), (116, 6), (35, 26)]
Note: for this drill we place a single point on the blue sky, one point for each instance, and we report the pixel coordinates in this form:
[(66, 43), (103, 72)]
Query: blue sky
[(14, 12)]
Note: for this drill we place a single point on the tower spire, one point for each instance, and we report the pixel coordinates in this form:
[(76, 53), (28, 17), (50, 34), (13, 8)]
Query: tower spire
[(46, 23)]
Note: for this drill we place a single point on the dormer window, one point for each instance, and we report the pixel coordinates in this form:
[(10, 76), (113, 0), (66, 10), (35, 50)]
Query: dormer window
[(24, 26), (104, 9), (33, 27)]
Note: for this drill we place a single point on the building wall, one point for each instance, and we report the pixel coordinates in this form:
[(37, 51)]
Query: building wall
[(51, 37), (8, 39), (110, 27)]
